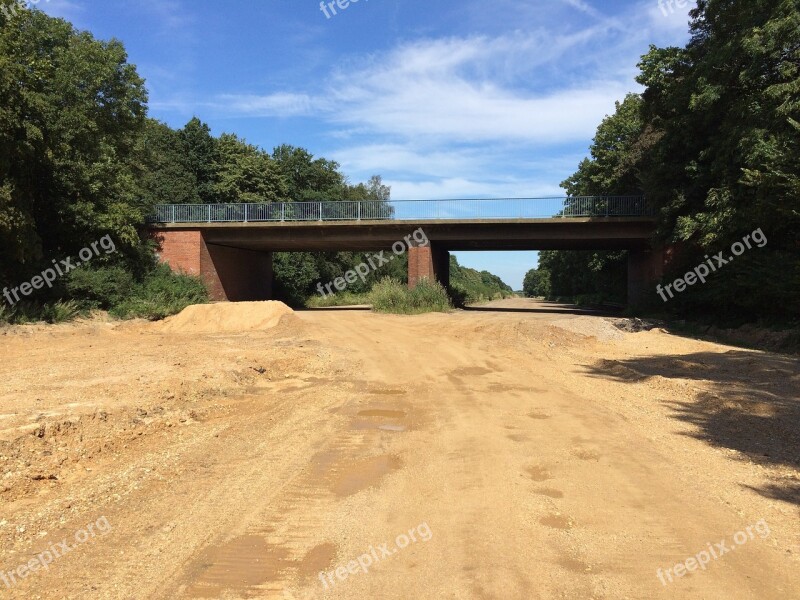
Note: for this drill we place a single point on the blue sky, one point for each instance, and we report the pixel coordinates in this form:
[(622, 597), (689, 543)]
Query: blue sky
[(443, 98)]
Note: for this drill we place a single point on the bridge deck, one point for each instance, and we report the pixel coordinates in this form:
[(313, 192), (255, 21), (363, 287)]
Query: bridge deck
[(606, 233), (595, 222)]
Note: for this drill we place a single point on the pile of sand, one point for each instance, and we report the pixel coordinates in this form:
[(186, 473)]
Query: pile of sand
[(227, 317), (602, 329)]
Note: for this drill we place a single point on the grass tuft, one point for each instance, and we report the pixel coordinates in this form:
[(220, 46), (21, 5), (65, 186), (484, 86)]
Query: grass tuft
[(391, 296)]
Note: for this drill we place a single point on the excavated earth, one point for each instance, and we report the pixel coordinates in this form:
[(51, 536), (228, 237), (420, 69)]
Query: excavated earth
[(520, 450)]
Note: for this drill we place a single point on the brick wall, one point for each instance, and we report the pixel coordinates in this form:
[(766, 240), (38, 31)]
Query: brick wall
[(236, 274), (180, 250), (427, 262), (230, 274)]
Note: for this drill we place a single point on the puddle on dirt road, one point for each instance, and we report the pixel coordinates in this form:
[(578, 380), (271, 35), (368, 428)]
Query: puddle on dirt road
[(363, 474), (470, 372), (389, 414), (237, 566), (346, 477), (538, 473), (550, 493), (586, 454), (394, 428), (574, 565), (538, 416), (557, 522), (319, 558), (372, 419)]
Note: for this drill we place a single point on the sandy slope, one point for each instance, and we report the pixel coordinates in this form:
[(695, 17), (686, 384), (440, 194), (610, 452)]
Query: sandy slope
[(530, 452)]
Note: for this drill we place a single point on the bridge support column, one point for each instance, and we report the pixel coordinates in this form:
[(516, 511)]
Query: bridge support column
[(230, 274), (428, 262), (645, 270)]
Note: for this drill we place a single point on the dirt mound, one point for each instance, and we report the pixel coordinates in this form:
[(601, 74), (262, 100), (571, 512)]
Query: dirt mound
[(227, 317), (602, 329)]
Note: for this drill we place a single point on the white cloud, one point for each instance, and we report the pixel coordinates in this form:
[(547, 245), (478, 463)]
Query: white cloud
[(584, 7), (457, 110), (388, 158), (459, 187), (444, 116), (171, 15), (474, 89), (274, 105)]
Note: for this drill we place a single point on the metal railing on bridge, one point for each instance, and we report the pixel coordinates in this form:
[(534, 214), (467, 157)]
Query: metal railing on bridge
[(405, 210)]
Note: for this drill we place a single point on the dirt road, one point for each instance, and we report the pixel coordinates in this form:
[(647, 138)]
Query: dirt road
[(518, 451)]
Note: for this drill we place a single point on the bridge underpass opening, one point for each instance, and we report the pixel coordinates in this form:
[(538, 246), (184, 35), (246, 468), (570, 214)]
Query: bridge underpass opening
[(631, 279)]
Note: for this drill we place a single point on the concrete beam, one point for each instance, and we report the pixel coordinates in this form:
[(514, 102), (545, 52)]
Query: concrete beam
[(620, 233)]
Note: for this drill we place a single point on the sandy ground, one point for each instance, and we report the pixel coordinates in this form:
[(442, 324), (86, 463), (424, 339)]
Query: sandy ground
[(516, 451)]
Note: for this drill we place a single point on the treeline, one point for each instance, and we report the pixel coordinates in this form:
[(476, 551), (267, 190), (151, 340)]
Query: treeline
[(469, 286), (80, 160), (191, 166), (466, 286), (713, 143)]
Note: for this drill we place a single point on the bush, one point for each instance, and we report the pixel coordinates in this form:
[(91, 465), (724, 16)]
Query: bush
[(103, 287), (62, 311), (30, 312), (338, 299), (163, 293), (391, 296), (459, 295)]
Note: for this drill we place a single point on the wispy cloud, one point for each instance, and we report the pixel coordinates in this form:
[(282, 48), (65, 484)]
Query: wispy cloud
[(584, 7), (171, 15), (282, 104), (457, 89)]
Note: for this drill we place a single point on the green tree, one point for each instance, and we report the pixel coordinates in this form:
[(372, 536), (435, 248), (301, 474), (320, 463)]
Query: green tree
[(309, 179), (725, 114), (165, 173), (247, 174), (71, 113), (536, 283), (470, 285), (202, 154), (616, 157), (713, 142)]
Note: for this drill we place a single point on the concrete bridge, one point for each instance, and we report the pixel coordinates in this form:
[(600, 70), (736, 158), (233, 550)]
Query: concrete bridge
[(230, 246)]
